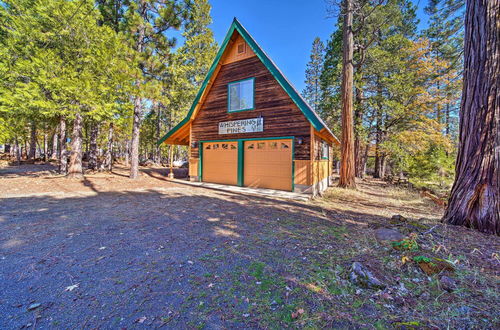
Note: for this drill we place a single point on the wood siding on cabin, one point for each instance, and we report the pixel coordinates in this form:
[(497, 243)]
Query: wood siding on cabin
[(321, 170), (281, 116), (303, 172), (193, 167)]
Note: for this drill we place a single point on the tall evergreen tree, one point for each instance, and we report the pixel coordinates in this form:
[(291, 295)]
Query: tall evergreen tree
[(347, 174), (445, 32), (312, 91), (147, 22)]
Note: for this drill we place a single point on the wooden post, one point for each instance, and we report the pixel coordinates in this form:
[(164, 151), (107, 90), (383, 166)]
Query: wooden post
[(171, 156)]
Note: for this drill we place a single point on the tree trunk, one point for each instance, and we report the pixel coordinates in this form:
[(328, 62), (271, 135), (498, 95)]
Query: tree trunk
[(108, 159), (75, 158), (94, 132), (54, 145), (136, 124), (32, 153), (358, 122), (62, 155), (45, 146), (347, 167), (18, 152), (447, 119), (474, 199), (157, 137)]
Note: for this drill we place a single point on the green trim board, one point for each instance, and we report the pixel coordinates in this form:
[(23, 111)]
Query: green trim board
[(229, 95), (241, 162), (241, 156), (308, 112)]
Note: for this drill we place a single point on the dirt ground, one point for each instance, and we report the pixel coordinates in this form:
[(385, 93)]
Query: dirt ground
[(110, 252)]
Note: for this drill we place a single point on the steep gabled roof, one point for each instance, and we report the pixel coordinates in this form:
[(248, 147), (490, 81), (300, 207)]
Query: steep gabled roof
[(308, 112)]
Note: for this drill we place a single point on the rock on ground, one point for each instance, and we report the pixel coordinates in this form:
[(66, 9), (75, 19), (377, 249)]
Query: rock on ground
[(361, 276), (387, 234)]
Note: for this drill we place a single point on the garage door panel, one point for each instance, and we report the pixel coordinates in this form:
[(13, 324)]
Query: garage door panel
[(220, 162), (268, 164)]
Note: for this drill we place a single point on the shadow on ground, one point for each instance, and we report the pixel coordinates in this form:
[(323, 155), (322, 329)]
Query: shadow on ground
[(152, 254)]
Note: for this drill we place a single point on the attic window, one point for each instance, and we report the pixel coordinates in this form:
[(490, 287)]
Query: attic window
[(241, 48)]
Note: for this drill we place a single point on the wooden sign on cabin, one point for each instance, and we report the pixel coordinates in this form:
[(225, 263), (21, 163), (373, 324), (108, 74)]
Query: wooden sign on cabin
[(251, 125)]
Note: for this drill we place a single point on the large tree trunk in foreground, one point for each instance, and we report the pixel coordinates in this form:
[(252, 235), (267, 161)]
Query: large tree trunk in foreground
[(63, 158), (75, 158), (94, 132), (347, 167), (474, 199), (108, 159)]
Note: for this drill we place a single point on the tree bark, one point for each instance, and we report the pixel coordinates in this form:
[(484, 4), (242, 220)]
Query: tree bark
[(18, 152), (62, 155), (358, 121), (94, 132), (447, 119), (347, 167), (157, 137), (54, 145), (108, 159), (136, 124), (32, 153), (474, 199), (75, 169), (45, 145)]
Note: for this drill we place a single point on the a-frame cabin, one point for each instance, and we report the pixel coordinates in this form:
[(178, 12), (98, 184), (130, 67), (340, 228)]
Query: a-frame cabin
[(249, 127)]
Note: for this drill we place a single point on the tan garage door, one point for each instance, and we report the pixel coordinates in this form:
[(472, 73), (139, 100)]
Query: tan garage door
[(268, 164), (220, 162)]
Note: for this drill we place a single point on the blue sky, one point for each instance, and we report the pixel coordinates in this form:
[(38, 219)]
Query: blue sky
[(285, 29)]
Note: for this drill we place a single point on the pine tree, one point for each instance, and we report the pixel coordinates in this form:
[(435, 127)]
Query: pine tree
[(71, 67), (446, 35), (312, 91), (188, 68), (347, 174), (147, 23)]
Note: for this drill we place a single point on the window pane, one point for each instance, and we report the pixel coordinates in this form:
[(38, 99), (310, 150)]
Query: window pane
[(234, 97), (241, 95), (246, 94)]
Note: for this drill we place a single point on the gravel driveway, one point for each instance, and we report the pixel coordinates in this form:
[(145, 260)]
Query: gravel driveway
[(109, 252), (133, 258)]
